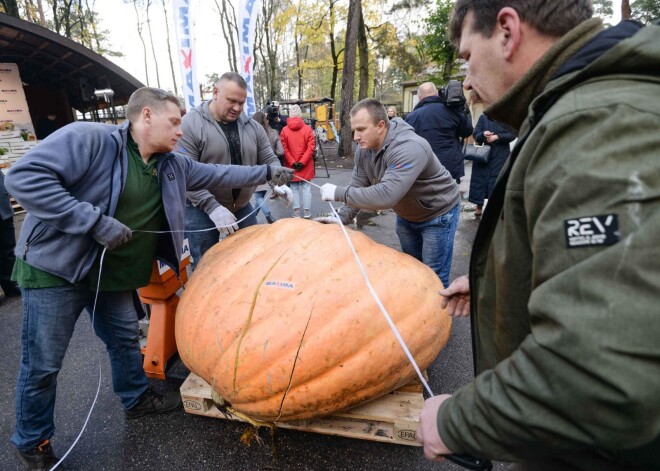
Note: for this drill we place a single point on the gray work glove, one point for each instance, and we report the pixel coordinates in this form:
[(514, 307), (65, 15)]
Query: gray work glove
[(279, 176), (224, 220), (110, 233)]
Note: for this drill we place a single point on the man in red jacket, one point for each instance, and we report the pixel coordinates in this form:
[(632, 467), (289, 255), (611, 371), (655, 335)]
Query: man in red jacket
[(298, 142)]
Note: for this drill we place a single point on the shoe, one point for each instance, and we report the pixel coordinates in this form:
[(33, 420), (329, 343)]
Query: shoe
[(152, 402), (11, 290), (41, 457), (478, 212), (270, 219), (307, 215), (296, 213)]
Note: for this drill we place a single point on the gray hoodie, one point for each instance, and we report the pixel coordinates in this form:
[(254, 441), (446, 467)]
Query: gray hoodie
[(203, 140), (404, 175), (77, 174)]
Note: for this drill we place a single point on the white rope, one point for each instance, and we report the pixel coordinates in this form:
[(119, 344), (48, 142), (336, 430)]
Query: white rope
[(378, 302), (98, 356)]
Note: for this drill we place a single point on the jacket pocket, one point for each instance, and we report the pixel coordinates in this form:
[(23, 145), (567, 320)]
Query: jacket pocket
[(37, 233)]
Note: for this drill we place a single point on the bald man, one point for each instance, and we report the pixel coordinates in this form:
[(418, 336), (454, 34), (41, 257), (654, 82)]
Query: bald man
[(442, 126)]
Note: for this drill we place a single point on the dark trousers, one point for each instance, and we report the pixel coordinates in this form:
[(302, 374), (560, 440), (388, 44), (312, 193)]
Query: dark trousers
[(7, 257)]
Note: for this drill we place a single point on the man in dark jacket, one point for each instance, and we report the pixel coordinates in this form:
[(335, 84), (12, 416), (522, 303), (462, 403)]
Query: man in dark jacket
[(443, 127), (89, 186), (564, 273)]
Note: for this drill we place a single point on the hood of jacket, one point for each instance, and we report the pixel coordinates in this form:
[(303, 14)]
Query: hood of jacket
[(295, 124), (399, 130), (205, 112)]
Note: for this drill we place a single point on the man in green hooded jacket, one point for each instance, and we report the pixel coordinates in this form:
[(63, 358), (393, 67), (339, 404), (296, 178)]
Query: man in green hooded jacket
[(565, 272)]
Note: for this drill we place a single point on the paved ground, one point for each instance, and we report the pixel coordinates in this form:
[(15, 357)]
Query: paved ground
[(181, 441)]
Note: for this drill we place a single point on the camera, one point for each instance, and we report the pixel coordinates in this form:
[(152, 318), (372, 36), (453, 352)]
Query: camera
[(272, 109)]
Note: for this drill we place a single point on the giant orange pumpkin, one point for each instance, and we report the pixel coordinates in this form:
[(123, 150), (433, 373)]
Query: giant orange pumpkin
[(279, 321)]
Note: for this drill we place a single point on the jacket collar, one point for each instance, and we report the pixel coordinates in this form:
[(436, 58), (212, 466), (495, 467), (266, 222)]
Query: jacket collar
[(205, 112), (512, 108), (428, 100)]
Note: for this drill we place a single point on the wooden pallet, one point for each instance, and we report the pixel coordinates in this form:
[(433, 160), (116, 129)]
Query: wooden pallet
[(392, 418)]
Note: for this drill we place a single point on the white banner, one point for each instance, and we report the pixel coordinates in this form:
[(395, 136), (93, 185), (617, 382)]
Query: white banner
[(182, 11), (247, 21), (13, 104)]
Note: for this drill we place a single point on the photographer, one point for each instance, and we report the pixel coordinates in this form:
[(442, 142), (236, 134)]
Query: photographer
[(442, 126), (275, 120)]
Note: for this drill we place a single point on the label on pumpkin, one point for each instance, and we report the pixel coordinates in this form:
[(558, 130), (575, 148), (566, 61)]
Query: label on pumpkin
[(280, 284)]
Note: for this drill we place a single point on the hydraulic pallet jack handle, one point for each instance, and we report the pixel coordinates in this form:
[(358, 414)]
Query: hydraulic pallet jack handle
[(470, 462)]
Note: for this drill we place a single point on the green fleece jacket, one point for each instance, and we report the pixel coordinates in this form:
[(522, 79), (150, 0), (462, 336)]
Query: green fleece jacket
[(565, 270)]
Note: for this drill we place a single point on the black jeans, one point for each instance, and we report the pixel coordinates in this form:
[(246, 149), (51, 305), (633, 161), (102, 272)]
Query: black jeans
[(7, 257)]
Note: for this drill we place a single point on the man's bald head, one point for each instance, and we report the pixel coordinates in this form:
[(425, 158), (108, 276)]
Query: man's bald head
[(427, 89)]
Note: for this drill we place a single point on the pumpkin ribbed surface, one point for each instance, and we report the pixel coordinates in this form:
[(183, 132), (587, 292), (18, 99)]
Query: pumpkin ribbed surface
[(279, 321)]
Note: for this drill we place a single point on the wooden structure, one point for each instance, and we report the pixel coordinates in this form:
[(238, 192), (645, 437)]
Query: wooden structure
[(392, 418)]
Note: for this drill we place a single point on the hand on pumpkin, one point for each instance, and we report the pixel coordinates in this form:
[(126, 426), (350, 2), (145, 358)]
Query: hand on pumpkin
[(328, 192), (224, 220), (279, 175), (456, 297), (328, 220), (285, 193), (427, 430)]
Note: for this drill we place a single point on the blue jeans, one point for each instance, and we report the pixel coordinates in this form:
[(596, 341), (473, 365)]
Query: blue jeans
[(49, 318), (261, 203), (431, 242), (200, 242), (306, 193)]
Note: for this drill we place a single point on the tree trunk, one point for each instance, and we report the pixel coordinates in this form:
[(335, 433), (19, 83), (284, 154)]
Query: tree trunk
[(625, 10), (151, 41), (363, 90), (229, 31), (348, 77), (42, 16), (11, 8), (334, 53), (144, 46), (169, 48)]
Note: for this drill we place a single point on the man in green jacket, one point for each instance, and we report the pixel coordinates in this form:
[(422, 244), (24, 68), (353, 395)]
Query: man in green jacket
[(565, 272)]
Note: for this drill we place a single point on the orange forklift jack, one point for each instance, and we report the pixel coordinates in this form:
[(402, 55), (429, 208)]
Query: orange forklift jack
[(161, 295)]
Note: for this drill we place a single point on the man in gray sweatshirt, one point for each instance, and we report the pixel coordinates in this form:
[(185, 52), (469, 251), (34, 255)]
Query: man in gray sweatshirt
[(395, 168), (218, 132)]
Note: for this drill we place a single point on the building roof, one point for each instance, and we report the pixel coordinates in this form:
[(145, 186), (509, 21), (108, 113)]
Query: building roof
[(49, 59)]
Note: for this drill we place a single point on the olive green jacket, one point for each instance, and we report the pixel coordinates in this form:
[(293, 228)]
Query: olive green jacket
[(567, 329)]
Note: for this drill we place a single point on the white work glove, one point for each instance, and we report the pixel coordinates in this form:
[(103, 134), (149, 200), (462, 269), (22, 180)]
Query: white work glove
[(285, 193), (224, 220), (328, 220), (328, 192), (427, 430)]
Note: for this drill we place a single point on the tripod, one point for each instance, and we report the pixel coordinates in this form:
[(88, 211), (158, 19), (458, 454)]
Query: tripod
[(317, 149)]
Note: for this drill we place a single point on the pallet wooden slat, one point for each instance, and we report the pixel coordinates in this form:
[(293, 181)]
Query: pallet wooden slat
[(392, 418)]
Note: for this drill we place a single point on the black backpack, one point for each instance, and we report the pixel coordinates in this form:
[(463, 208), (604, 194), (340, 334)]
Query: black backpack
[(452, 95)]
